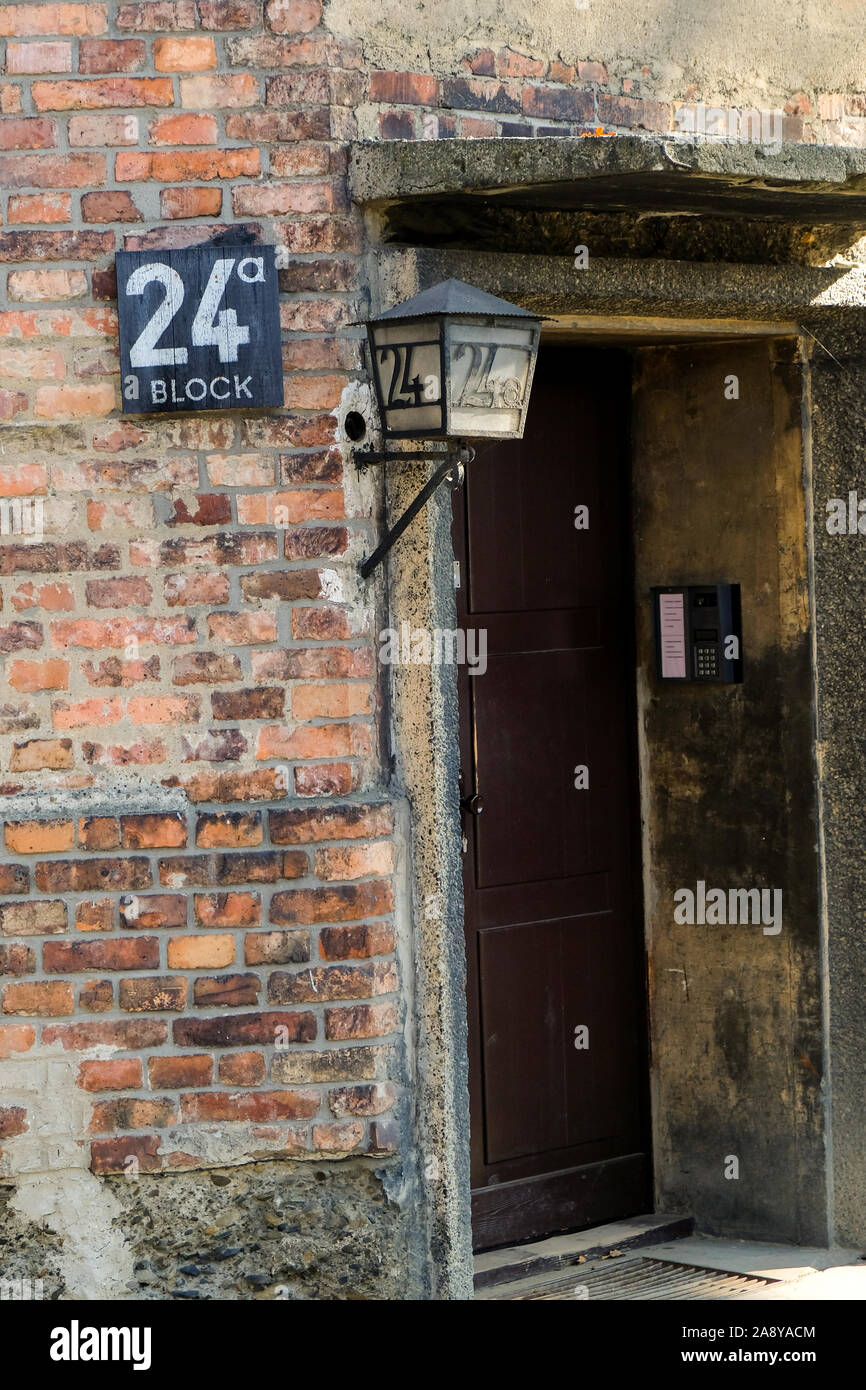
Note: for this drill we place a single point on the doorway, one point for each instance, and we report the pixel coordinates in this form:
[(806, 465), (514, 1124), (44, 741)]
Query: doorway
[(553, 925)]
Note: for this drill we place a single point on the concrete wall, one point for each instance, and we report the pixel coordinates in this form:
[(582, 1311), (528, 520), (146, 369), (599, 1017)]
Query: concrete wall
[(728, 796)]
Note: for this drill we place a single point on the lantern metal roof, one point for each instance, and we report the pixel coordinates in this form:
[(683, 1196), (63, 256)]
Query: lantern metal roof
[(454, 297)]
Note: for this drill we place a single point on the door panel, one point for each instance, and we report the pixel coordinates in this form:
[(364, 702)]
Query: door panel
[(552, 928)]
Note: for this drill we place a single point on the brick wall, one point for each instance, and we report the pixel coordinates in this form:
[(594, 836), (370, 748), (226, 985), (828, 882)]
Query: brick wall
[(196, 876)]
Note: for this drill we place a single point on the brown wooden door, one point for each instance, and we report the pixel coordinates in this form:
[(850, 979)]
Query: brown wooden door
[(551, 872)]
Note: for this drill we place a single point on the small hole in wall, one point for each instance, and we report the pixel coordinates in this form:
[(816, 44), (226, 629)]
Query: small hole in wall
[(355, 425)]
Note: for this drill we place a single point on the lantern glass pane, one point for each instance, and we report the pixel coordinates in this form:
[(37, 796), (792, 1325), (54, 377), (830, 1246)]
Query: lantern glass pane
[(490, 374), (408, 364)]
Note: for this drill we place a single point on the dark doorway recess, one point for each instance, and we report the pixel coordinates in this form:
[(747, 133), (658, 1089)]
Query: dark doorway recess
[(554, 942)]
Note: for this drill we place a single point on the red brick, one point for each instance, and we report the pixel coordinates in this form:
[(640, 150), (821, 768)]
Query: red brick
[(362, 1100), (279, 125), (109, 207), (300, 825), (74, 402), (230, 991), (70, 876), (360, 1021), (14, 878), (99, 832), (40, 207), (235, 1030), (512, 64), (293, 16), (242, 1069), (116, 632), (278, 199), (29, 20), (131, 1154), (27, 133), (404, 88), (29, 676), (228, 910), (16, 1038), (260, 1106), (184, 55), (124, 1074), (13, 1120), (558, 103), (158, 994), (324, 779), (39, 837), (39, 57), (130, 1035), (590, 72), (102, 94), (12, 403), (229, 829), (157, 14), (164, 709), (349, 943), (629, 111), (190, 202), (158, 910), (111, 55), (173, 166), (86, 713), (185, 590), (52, 597), (10, 99), (153, 831), (96, 996), (229, 14), (123, 953), (42, 998), (181, 128), (338, 1138), (172, 1073), (308, 905)]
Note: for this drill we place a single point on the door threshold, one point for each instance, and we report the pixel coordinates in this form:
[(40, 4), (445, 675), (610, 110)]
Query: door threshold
[(495, 1267)]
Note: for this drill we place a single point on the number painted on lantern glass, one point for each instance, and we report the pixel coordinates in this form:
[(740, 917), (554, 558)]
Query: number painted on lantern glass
[(402, 364), (144, 351), (220, 330)]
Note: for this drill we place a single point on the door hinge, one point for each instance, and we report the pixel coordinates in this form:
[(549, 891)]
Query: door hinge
[(456, 574)]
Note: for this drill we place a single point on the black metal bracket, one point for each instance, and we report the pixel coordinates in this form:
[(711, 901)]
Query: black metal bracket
[(450, 472)]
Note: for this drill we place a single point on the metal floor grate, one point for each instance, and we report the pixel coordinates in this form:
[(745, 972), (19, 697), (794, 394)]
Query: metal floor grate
[(635, 1279)]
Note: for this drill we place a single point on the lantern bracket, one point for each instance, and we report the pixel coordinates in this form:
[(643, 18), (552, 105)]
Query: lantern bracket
[(452, 472)]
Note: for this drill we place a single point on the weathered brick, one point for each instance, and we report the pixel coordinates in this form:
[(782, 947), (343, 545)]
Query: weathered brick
[(262, 703), (36, 285), (206, 668), (14, 878), (114, 1155), (293, 16), (340, 1064), (229, 14), (39, 207), (231, 991), (17, 959), (157, 910), (40, 998), (35, 918), (109, 207), (28, 676), (183, 128), (196, 54), (190, 202), (242, 1069), (52, 56), (338, 1138), (186, 590), (101, 94), (129, 1113), (332, 982), (558, 103), (96, 996), (299, 825), (228, 910), (175, 166), (229, 829), (309, 905), (218, 90), (99, 832), (18, 1037), (103, 130), (111, 55), (350, 943), (153, 831), (123, 953), (13, 1120), (70, 876), (404, 88), (259, 1106), (156, 15), (154, 994), (360, 1021), (29, 20), (362, 1100), (233, 1031), (95, 915), (130, 1035), (39, 753)]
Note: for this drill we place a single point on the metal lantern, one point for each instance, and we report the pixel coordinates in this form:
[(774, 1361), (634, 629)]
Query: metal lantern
[(454, 363)]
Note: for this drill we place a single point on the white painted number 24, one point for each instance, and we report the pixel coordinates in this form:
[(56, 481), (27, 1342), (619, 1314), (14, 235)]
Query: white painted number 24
[(209, 327)]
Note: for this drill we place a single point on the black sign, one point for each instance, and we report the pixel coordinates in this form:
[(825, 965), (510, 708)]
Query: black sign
[(199, 329)]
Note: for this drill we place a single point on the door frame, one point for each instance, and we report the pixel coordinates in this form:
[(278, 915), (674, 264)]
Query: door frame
[(418, 586)]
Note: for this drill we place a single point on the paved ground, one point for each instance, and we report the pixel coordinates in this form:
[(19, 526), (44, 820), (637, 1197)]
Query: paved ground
[(621, 1262)]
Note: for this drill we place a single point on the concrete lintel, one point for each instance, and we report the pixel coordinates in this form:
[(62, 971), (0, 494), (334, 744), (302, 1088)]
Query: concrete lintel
[(727, 294), (806, 184)]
